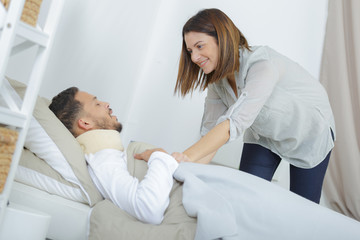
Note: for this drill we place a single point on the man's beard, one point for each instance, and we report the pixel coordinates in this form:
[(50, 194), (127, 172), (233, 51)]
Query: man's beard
[(105, 124)]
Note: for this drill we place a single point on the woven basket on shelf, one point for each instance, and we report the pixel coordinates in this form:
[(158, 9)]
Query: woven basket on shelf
[(8, 139), (30, 12)]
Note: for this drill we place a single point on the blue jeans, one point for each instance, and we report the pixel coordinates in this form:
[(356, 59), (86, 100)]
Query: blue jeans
[(261, 162)]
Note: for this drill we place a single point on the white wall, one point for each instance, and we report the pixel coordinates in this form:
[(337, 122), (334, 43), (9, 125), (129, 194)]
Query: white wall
[(295, 28), (127, 53), (99, 47)]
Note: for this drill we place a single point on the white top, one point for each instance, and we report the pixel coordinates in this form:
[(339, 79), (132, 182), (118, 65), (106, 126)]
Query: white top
[(146, 200), (280, 107)]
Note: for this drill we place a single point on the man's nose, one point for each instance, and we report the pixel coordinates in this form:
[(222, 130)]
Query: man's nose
[(106, 105)]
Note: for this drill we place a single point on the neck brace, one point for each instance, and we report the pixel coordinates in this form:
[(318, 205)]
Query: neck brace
[(96, 140)]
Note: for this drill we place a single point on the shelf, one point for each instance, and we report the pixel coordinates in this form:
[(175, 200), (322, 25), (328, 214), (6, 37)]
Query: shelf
[(31, 34), (2, 15), (9, 117), (16, 36), (25, 31)]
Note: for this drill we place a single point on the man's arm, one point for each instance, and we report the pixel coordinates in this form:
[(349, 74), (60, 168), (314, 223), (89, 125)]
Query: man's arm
[(146, 154), (146, 200)]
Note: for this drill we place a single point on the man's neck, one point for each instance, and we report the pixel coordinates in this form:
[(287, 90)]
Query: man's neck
[(96, 140)]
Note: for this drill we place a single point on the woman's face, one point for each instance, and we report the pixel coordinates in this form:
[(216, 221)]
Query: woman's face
[(203, 50)]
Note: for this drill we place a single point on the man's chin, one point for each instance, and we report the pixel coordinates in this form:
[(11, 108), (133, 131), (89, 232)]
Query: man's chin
[(106, 124), (118, 127)]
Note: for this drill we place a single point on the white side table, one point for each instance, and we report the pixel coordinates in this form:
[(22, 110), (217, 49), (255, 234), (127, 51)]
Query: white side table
[(21, 222)]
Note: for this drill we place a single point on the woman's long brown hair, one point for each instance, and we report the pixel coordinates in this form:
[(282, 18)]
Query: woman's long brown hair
[(217, 24)]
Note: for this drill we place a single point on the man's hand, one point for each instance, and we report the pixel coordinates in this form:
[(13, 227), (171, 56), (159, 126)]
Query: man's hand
[(180, 157), (146, 154)]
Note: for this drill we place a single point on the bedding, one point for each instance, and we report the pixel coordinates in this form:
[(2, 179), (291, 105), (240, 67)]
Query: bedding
[(203, 205), (236, 205), (35, 172), (69, 219)]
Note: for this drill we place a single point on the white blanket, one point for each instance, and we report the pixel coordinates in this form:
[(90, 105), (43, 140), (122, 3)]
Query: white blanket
[(231, 204)]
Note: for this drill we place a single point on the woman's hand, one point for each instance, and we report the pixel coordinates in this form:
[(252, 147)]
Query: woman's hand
[(180, 157), (146, 154)]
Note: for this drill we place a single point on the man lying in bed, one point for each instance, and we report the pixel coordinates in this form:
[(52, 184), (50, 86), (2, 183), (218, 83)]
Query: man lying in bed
[(227, 203), (98, 132)]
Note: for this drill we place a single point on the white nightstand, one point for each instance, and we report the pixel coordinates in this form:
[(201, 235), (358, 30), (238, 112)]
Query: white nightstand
[(22, 222)]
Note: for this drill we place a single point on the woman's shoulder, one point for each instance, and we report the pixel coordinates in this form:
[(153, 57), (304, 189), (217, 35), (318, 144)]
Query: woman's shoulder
[(254, 55), (257, 52)]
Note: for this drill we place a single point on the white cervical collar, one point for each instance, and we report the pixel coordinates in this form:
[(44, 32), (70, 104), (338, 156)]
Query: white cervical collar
[(95, 140)]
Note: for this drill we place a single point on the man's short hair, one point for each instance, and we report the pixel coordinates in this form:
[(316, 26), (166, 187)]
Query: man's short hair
[(67, 108)]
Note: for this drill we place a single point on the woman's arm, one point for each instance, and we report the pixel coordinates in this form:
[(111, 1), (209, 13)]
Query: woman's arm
[(210, 143), (214, 108), (207, 159), (181, 157), (261, 79)]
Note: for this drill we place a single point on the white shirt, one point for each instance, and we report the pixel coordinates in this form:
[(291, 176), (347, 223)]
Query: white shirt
[(146, 200), (280, 107)]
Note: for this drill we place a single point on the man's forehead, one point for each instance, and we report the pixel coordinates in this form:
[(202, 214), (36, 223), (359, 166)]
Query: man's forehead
[(84, 96)]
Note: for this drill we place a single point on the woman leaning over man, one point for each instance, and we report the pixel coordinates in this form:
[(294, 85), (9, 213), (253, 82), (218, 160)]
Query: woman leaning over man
[(254, 92)]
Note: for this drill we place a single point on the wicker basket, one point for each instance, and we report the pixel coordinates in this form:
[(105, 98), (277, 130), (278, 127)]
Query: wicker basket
[(8, 139), (30, 12)]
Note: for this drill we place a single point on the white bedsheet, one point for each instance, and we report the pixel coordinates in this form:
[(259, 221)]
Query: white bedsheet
[(69, 219), (231, 204)]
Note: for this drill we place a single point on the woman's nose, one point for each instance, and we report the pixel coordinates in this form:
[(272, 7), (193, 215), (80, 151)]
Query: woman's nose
[(195, 57)]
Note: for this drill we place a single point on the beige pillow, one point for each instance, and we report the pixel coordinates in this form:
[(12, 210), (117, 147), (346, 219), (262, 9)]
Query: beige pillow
[(137, 168), (65, 142)]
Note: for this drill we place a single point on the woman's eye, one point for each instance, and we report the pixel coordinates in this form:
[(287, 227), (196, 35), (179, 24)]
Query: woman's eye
[(199, 46)]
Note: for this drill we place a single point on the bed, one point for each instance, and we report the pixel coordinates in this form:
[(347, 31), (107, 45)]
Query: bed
[(52, 177), (69, 219)]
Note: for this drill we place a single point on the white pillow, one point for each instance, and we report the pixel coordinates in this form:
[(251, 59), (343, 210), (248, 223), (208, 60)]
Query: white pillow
[(39, 142), (37, 173)]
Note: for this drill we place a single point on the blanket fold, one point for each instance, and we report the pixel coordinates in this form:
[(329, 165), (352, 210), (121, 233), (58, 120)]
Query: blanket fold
[(231, 204)]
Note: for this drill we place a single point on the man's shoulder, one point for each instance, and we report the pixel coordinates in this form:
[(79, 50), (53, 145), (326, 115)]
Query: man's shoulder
[(106, 156)]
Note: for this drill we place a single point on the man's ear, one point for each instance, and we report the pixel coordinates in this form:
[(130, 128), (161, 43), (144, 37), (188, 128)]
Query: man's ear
[(84, 124)]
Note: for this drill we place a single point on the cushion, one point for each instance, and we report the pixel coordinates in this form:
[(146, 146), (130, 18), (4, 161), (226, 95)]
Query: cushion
[(51, 141), (137, 168)]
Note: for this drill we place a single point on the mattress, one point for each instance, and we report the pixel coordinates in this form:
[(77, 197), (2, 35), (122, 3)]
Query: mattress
[(69, 219)]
